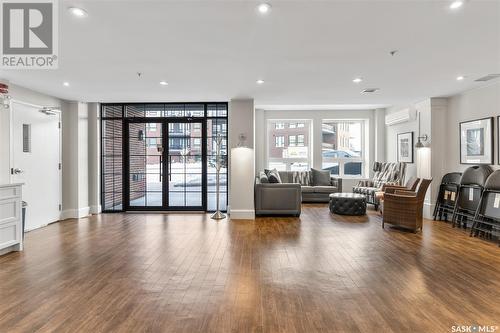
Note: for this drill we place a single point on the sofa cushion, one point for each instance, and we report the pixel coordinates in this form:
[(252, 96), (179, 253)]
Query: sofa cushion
[(285, 176), (365, 190), (307, 189), (389, 173), (301, 177), (320, 177), (325, 189), (274, 177)]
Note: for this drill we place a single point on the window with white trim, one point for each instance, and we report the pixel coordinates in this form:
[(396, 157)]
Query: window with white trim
[(288, 145), (342, 150)]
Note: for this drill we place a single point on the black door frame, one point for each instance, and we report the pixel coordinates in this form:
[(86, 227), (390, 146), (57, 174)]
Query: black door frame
[(165, 168)]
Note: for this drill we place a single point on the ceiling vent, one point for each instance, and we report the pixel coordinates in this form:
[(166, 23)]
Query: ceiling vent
[(488, 77), (369, 90)]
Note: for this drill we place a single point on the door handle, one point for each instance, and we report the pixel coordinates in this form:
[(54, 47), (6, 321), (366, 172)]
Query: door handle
[(170, 168), (161, 167), (16, 171)]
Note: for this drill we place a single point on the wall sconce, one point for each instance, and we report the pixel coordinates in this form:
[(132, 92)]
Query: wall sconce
[(242, 138), (420, 138), (419, 143)]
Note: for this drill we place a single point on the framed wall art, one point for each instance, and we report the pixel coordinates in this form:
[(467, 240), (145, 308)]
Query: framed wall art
[(476, 141), (405, 147)]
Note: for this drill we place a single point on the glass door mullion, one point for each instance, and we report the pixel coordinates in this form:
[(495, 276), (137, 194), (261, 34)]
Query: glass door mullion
[(166, 164)]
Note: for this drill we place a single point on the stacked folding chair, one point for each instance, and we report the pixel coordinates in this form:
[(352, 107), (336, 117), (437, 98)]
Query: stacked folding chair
[(469, 194), (487, 218), (446, 199)]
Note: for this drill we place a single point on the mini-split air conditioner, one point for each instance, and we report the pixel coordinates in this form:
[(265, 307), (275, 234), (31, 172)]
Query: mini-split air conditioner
[(399, 117)]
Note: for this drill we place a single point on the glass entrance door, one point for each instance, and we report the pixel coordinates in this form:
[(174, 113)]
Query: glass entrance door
[(186, 183), (165, 169)]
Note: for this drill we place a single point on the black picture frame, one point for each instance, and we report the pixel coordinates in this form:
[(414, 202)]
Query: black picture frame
[(400, 136), (489, 153)]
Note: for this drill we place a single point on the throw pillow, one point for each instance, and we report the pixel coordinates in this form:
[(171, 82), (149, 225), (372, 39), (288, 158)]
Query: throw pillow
[(274, 177), (320, 177), (263, 178)]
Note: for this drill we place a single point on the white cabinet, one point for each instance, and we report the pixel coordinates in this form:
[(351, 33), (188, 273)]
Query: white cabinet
[(11, 229)]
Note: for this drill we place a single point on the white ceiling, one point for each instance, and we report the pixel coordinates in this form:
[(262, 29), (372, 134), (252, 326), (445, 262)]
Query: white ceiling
[(307, 51)]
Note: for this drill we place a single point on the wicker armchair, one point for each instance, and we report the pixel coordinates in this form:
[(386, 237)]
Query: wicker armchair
[(411, 185), (404, 208)]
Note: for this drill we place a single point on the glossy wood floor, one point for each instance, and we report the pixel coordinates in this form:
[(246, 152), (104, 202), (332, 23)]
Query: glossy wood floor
[(187, 273)]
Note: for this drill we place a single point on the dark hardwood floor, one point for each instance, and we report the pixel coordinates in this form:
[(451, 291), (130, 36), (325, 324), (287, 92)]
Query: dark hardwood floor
[(187, 273)]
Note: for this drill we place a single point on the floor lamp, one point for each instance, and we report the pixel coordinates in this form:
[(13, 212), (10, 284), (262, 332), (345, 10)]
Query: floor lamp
[(218, 215)]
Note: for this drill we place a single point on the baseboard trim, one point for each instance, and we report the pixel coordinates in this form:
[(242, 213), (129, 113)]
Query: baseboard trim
[(428, 210), (12, 248), (96, 209), (37, 227), (75, 213), (242, 214)]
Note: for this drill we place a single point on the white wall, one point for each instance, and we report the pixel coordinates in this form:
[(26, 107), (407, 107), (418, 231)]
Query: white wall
[(27, 96), (391, 133), (75, 160), (427, 163), (440, 118), (316, 117), (241, 160), (473, 104)]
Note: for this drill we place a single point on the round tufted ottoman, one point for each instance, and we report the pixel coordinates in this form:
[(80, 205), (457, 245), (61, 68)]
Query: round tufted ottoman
[(348, 203)]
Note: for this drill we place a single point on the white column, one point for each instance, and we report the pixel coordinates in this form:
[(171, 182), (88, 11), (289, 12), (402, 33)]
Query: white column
[(75, 160), (431, 159), (241, 159), (94, 158), (379, 120), (260, 140), (439, 142)]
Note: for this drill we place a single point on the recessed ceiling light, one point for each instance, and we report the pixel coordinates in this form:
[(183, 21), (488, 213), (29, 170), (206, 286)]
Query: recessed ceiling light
[(460, 78), (357, 80), (456, 4), (78, 12), (264, 8), (260, 81), (66, 84), (164, 83)]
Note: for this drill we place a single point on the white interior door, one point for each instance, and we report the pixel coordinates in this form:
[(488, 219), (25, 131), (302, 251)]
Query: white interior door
[(35, 158)]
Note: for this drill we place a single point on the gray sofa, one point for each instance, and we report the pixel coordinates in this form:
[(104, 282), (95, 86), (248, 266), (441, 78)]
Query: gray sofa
[(286, 197)]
